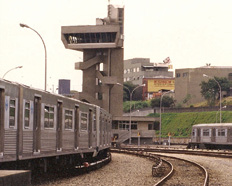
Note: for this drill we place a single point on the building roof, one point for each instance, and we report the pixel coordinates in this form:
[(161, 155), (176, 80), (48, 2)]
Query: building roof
[(155, 65), (159, 77), (213, 124), (207, 67), (215, 67)]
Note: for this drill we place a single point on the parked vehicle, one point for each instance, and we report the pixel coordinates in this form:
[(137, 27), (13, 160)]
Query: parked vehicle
[(211, 136), (38, 126)]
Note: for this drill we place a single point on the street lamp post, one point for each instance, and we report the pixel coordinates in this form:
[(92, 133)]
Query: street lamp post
[(45, 83), (220, 89), (10, 70), (160, 114), (218, 111), (131, 93)]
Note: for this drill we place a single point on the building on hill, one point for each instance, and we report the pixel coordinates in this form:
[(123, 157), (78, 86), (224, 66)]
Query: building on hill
[(136, 69), (187, 81)]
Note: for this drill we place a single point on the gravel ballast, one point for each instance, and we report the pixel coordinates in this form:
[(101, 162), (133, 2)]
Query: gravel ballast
[(123, 170)]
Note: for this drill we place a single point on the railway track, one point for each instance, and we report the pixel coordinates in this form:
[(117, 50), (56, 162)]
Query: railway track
[(184, 172), (198, 152), (172, 170)]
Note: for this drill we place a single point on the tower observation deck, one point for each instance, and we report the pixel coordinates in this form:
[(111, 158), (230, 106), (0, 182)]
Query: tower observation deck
[(102, 65)]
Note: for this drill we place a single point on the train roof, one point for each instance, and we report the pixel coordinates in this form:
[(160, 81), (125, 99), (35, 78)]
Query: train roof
[(213, 124), (43, 91)]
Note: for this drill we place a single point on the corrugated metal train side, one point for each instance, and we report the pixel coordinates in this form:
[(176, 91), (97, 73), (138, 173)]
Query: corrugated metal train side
[(211, 136), (36, 124)]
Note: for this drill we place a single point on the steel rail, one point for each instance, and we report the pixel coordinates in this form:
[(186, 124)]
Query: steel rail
[(140, 152), (182, 151), (206, 180), (150, 155), (168, 176)]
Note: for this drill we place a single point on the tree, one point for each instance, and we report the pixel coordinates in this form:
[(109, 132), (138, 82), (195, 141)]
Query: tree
[(166, 102), (187, 98), (137, 94), (211, 91)]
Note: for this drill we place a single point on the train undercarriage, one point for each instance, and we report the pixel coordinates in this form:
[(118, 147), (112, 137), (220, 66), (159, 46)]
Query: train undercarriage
[(209, 146), (59, 163)]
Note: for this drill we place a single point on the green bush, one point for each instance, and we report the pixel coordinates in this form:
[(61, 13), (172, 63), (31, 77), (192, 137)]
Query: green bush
[(166, 102), (135, 105)]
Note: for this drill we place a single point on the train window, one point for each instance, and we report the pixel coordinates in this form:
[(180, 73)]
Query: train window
[(221, 132), (94, 123), (84, 121), (193, 132), (49, 117), (26, 115), (68, 119), (12, 113), (205, 132), (105, 124)]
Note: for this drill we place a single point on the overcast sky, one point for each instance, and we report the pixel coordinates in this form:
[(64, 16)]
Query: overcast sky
[(190, 32)]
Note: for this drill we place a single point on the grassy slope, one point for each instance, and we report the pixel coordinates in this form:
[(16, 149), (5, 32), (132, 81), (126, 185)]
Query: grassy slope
[(180, 124)]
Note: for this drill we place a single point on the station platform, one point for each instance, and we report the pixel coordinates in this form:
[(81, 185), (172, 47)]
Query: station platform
[(15, 177)]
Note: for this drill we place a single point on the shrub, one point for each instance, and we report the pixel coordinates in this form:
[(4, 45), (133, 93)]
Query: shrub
[(135, 105)]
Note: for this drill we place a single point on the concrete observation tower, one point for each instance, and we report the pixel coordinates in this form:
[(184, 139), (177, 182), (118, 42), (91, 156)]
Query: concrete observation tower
[(102, 66)]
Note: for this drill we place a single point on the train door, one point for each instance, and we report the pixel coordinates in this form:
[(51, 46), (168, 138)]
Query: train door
[(94, 131), (59, 126), (101, 129), (76, 129), (11, 126), (104, 123), (107, 131), (90, 128), (229, 135), (213, 137), (198, 135), (84, 125), (2, 98), (37, 125), (98, 117)]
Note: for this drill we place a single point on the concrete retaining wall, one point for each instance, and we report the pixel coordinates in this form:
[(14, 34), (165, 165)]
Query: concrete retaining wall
[(15, 178)]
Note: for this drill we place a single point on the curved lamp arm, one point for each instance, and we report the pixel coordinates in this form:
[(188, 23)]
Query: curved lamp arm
[(10, 70)]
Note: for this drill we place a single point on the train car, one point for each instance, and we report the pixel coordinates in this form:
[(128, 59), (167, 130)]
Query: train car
[(38, 127), (211, 136)]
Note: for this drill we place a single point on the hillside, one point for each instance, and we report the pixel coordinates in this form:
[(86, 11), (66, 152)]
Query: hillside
[(225, 101), (180, 124)]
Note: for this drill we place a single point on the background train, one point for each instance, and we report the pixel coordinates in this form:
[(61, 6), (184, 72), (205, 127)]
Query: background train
[(211, 136), (41, 129)]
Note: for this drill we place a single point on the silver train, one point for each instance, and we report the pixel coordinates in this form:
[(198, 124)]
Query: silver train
[(211, 136), (41, 128)]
